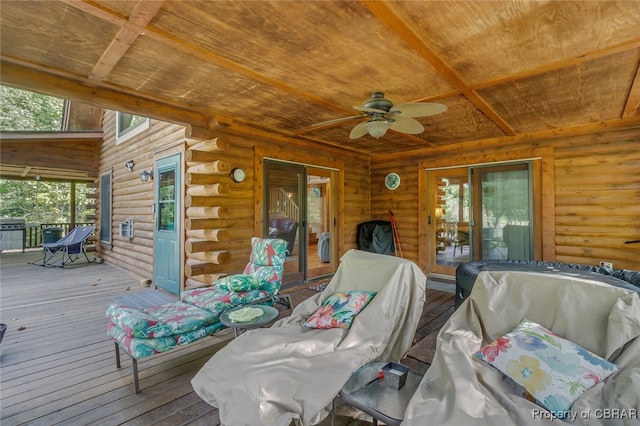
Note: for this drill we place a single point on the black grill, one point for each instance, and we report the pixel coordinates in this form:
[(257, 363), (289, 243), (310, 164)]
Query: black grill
[(11, 227)]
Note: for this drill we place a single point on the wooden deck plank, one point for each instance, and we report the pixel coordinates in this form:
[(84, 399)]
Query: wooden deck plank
[(179, 411), (61, 368)]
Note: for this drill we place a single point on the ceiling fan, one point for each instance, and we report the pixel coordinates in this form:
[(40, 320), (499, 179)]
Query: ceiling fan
[(382, 115)]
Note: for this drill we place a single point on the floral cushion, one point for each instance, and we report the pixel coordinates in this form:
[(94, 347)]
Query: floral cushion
[(181, 318), (140, 347), (268, 251), (160, 321), (339, 309), (135, 322), (553, 370), (270, 274), (238, 283), (216, 300), (267, 262)]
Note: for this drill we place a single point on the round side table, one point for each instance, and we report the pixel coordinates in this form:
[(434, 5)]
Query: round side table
[(269, 314)]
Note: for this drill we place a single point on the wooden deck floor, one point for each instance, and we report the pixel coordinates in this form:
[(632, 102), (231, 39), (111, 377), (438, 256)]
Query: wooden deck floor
[(58, 366)]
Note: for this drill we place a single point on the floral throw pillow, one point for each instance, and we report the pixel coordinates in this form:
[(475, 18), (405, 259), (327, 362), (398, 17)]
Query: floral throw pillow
[(339, 309), (553, 370)]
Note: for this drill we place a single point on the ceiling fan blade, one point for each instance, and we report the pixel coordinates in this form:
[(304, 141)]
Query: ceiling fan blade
[(358, 131), (337, 120), (406, 125), (366, 109), (418, 109)]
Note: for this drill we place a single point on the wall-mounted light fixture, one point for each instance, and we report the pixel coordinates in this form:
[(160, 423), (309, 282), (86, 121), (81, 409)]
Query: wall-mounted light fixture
[(146, 174), (129, 165)]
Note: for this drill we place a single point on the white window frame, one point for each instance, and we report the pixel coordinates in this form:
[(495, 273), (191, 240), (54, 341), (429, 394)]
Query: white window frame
[(131, 131)]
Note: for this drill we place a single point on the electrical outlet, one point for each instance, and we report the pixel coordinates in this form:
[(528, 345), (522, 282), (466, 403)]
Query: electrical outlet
[(606, 265)]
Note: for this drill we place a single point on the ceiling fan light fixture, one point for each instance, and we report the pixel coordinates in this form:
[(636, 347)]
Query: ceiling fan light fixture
[(377, 128)]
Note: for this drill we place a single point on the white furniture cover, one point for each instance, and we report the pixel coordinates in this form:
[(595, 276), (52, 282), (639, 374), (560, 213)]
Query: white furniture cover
[(270, 376), (461, 390)]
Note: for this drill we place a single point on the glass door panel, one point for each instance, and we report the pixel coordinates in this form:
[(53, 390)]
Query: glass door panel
[(320, 222), (284, 212), (167, 200), (449, 212), (502, 212)]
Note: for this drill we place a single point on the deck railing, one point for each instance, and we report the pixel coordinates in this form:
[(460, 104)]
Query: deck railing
[(34, 231)]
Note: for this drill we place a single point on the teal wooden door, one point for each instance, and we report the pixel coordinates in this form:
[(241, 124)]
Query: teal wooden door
[(167, 247)]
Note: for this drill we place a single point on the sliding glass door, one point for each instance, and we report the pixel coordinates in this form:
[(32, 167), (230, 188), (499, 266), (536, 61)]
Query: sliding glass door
[(479, 212), (502, 212), (299, 208)]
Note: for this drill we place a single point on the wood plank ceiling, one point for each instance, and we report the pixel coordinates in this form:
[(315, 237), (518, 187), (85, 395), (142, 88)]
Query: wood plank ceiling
[(504, 69)]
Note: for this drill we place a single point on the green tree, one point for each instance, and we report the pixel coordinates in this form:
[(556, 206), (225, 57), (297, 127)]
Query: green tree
[(42, 202), (28, 111)]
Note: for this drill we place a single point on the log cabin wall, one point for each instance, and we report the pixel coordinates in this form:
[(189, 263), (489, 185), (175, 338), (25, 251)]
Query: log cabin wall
[(220, 216), (237, 208), (132, 198), (595, 205)]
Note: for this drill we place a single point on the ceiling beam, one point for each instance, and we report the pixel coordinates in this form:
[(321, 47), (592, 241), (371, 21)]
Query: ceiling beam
[(565, 132), (632, 106), (564, 63), (201, 53), (141, 27), (128, 34), (51, 136), (24, 77), (388, 16), (138, 25)]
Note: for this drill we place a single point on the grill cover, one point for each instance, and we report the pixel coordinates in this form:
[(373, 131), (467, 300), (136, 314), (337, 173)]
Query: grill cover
[(376, 236)]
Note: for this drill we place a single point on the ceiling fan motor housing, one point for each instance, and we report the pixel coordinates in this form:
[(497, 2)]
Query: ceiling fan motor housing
[(378, 101)]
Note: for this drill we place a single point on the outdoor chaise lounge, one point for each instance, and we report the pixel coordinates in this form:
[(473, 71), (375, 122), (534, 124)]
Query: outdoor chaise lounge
[(68, 248), (270, 376), (144, 332), (501, 324)]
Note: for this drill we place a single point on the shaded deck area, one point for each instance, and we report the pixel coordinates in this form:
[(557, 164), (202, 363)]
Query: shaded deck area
[(58, 365)]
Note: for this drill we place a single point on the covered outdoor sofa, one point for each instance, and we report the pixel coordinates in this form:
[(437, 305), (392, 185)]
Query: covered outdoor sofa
[(272, 375), (462, 388)]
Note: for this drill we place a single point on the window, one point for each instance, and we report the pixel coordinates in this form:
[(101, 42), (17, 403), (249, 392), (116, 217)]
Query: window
[(129, 125), (21, 110), (105, 207)]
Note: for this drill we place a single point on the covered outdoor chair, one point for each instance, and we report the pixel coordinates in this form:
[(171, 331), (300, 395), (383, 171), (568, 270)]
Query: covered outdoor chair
[(67, 249), (270, 376), (496, 365)]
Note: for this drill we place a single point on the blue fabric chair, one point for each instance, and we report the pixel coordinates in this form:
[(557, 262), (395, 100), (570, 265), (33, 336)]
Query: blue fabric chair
[(69, 247)]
